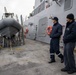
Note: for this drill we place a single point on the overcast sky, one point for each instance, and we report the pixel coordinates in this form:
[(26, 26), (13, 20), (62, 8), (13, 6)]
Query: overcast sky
[(19, 7)]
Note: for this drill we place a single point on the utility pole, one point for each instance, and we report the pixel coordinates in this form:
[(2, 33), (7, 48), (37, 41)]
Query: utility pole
[(22, 30), (19, 36)]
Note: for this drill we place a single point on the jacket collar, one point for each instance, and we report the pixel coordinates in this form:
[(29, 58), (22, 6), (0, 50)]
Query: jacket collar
[(68, 23), (55, 23)]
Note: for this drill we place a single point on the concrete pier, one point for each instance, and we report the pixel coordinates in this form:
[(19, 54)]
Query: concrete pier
[(30, 59)]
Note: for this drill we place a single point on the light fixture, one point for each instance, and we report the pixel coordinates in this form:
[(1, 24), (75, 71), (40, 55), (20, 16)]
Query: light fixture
[(30, 23), (58, 2), (46, 1)]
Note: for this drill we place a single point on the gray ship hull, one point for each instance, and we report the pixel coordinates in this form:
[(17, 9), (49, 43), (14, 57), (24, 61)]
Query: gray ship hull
[(41, 19)]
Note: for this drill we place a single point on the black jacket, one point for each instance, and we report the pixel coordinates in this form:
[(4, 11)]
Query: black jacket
[(56, 31), (70, 32)]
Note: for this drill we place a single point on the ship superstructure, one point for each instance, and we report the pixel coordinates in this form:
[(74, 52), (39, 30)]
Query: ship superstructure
[(40, 18)]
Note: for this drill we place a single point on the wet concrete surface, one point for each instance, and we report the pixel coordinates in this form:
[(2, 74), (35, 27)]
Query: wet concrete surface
[(30, 59)]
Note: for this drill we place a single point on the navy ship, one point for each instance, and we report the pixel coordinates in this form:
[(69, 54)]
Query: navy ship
[(40, 18)]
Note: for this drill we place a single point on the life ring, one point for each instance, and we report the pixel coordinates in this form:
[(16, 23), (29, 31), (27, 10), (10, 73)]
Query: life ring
[(49, 30), (26, 30)]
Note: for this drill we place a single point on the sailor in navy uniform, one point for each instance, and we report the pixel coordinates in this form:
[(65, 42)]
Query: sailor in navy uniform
[(69, 45), (55, 40)]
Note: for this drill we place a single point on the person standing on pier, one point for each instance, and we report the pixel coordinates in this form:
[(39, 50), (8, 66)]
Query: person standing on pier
[(69, 45), (55, 39)]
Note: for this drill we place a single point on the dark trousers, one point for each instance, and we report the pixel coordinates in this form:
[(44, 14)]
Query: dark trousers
[(69, 56), (54, 48)]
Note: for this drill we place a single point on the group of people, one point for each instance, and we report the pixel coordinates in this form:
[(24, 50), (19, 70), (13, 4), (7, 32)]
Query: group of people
[(69, 40)]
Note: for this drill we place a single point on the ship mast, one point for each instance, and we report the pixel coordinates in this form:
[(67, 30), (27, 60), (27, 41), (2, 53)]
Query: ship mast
[(6, 14)]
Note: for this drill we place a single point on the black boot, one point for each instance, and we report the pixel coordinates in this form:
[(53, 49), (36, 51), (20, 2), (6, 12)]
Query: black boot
[(52, 61), (71, 71), (64, 70), (62, 60), (61, 57)]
